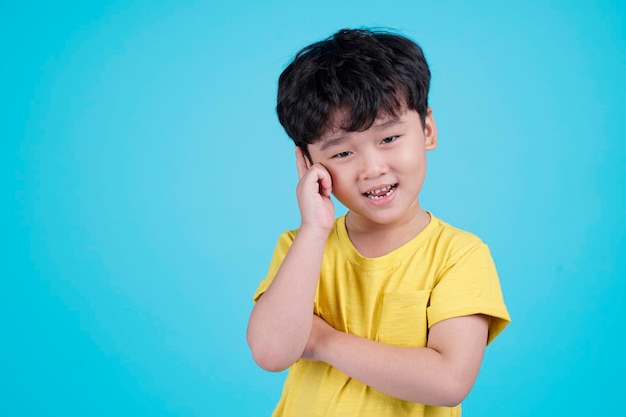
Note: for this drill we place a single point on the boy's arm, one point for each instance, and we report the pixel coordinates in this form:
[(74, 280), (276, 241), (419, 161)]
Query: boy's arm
[(442, 373), (280, 322)]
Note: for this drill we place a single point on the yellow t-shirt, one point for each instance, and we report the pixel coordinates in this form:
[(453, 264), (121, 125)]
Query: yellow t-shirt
[(442, 273)]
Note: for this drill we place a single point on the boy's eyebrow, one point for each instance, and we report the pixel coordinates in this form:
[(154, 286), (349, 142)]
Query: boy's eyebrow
[(332, 142), (339, 139)]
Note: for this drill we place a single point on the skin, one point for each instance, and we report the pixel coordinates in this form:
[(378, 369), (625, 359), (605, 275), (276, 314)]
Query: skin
[(390, 155)]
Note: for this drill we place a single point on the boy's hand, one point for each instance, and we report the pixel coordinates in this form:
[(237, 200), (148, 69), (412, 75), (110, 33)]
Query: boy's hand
[(313, 193), (320, 330)]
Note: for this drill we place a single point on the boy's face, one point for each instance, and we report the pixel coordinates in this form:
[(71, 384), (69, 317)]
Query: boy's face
[(378, 173)]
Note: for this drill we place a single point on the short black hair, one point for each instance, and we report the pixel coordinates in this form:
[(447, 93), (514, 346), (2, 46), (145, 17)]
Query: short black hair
[(366, 73)]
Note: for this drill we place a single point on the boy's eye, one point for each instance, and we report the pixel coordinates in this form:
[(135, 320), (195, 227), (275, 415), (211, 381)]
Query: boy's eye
[(389, 139), (342, 154)]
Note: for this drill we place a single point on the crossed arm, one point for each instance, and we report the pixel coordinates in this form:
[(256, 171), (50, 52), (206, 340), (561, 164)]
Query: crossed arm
[(442, 373)]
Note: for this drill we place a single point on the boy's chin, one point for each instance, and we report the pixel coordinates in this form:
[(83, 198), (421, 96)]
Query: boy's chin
[(373, 220)]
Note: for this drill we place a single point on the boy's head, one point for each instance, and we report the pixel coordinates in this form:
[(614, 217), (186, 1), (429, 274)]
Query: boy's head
[(358, 75)]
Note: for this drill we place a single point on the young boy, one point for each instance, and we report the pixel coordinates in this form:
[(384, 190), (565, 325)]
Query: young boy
[(385, 311)]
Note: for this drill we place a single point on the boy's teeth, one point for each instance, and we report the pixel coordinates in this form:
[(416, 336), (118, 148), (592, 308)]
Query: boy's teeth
[(380, 192)]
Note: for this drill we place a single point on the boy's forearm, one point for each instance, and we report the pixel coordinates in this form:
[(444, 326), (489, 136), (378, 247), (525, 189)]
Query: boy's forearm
[(411, 374), (425, 375), (280, 323)]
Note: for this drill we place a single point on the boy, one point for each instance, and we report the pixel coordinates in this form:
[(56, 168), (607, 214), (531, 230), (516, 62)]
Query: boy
[(385, 311)]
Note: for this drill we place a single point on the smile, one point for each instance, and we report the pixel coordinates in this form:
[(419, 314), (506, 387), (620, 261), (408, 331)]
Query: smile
[(379, 193)]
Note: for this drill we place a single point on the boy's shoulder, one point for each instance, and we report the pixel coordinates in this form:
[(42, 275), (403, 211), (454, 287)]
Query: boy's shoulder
[(450, 243)]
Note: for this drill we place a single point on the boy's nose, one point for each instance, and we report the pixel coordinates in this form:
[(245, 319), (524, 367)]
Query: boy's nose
[(373, 166)]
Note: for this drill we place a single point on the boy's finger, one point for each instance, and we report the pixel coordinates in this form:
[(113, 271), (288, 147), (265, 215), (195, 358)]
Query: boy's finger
[(325, 183)]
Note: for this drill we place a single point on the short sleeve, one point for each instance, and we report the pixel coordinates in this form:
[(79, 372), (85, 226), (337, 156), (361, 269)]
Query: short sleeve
[(282, 246), (468, 284)]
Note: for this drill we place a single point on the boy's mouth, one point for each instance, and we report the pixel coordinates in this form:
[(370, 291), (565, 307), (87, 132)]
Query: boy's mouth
[(382, 192)]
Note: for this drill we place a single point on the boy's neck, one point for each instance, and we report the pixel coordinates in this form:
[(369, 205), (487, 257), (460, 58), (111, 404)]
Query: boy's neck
[(376, 240)]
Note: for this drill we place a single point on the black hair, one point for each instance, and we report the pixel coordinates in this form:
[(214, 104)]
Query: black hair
[(366, 73)]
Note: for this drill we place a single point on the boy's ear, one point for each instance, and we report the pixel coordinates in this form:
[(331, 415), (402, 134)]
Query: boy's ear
[(307, 157), (430, 130)]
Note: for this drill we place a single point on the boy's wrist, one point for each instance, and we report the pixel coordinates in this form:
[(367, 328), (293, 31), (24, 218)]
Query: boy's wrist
[(314, 232), (320, 339)]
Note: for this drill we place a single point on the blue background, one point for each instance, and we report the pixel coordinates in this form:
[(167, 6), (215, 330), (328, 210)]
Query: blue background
[(145, 180)]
